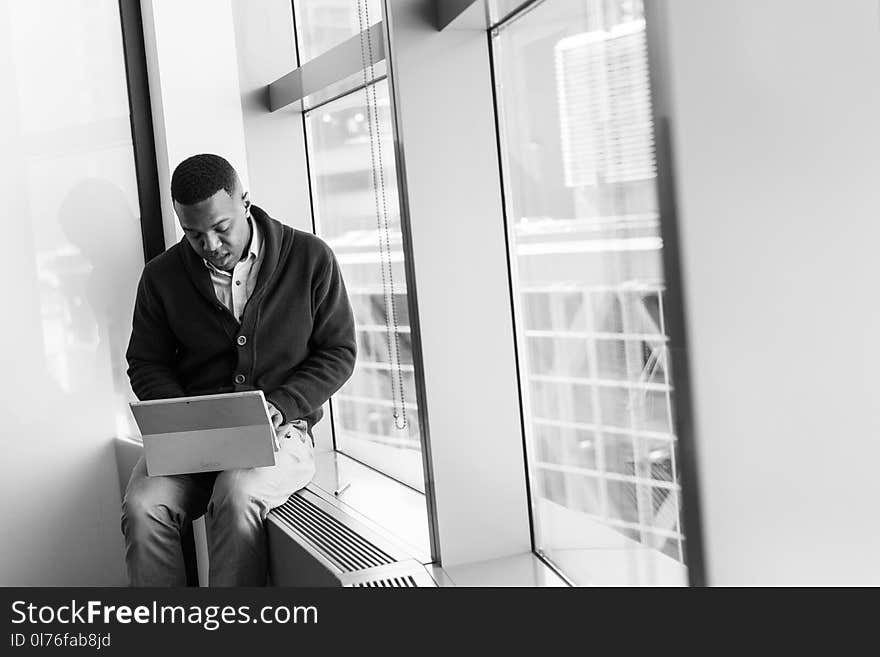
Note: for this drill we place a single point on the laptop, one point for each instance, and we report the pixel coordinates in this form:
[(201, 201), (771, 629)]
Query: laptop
[(206, 433)]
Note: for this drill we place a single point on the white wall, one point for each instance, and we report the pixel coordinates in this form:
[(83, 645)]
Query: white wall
[(275, 141), (72, 255), (776, 139), (457, 237), (193, 72)]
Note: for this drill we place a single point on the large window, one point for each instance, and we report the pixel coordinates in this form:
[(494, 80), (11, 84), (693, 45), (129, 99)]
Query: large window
[(73, 255), (71, 165), (356, 209), (578, 157)]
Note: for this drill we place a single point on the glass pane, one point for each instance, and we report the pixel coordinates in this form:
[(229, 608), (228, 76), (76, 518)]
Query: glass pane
[(73, 256), (579, 164), (323, 24), (72, 166), (354, 182)]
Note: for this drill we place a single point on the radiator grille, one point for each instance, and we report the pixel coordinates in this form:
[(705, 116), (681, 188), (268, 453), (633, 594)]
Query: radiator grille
[(342, 545)]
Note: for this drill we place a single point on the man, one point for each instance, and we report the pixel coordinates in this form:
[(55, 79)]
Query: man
[(241, 303)]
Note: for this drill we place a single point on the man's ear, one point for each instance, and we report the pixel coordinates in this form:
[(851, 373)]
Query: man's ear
[(246, 201)]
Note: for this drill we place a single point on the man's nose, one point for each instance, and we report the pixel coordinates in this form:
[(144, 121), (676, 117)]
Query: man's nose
[(211, 243)]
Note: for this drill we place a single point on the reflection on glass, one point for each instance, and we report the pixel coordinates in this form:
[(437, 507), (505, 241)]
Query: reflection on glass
[(347, 184), (72, 257), (71, 165), (323, 24), (579, 164)]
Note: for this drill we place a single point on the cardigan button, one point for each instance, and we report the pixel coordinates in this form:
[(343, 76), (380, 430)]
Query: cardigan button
[(241, 340), (239, 378)]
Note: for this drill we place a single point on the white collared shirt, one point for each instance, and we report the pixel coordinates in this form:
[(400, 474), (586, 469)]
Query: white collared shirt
[(234, 288)]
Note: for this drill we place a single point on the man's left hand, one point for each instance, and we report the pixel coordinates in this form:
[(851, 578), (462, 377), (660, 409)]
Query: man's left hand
[(275, 415)]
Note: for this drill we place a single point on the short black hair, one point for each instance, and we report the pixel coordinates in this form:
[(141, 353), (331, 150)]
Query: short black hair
[(200, 177)]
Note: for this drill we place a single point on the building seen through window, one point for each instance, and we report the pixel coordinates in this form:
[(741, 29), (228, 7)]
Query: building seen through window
[(579, 168), (354, 184)]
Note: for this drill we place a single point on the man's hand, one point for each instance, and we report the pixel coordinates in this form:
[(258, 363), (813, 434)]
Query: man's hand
[(275, 415)]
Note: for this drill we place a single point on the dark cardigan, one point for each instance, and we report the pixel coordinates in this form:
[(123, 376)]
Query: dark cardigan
[(297, 327)]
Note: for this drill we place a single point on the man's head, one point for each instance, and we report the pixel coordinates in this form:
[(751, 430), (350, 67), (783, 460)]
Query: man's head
[(212, 209)]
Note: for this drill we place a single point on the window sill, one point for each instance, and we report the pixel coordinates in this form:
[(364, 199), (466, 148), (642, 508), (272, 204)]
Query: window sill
[(592, 554), (387, 506), (523, 570), (398, 513)]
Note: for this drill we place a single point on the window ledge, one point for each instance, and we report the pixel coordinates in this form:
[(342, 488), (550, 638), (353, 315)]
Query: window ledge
[(398, 513), (524, 569), (593, 554), (387, 506)]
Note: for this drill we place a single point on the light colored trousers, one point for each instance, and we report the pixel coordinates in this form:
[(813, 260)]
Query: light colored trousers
[(235, 504)]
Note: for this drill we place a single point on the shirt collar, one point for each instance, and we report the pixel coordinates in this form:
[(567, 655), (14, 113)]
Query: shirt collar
[(256, 241), (253, 251)]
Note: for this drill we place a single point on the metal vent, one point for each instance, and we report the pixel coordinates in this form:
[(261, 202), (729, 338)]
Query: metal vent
[(403, 574), (313, 541), (396, 582), (347, 549)]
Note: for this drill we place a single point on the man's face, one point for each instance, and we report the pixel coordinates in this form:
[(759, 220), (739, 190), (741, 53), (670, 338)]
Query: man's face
[(217, 228)]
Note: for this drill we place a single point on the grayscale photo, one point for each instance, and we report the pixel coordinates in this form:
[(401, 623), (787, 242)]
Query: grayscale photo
[(437, 294)]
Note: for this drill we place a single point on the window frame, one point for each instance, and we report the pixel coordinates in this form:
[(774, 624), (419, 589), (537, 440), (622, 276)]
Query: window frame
[(343, 67), (141, 118), (673, 303)]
